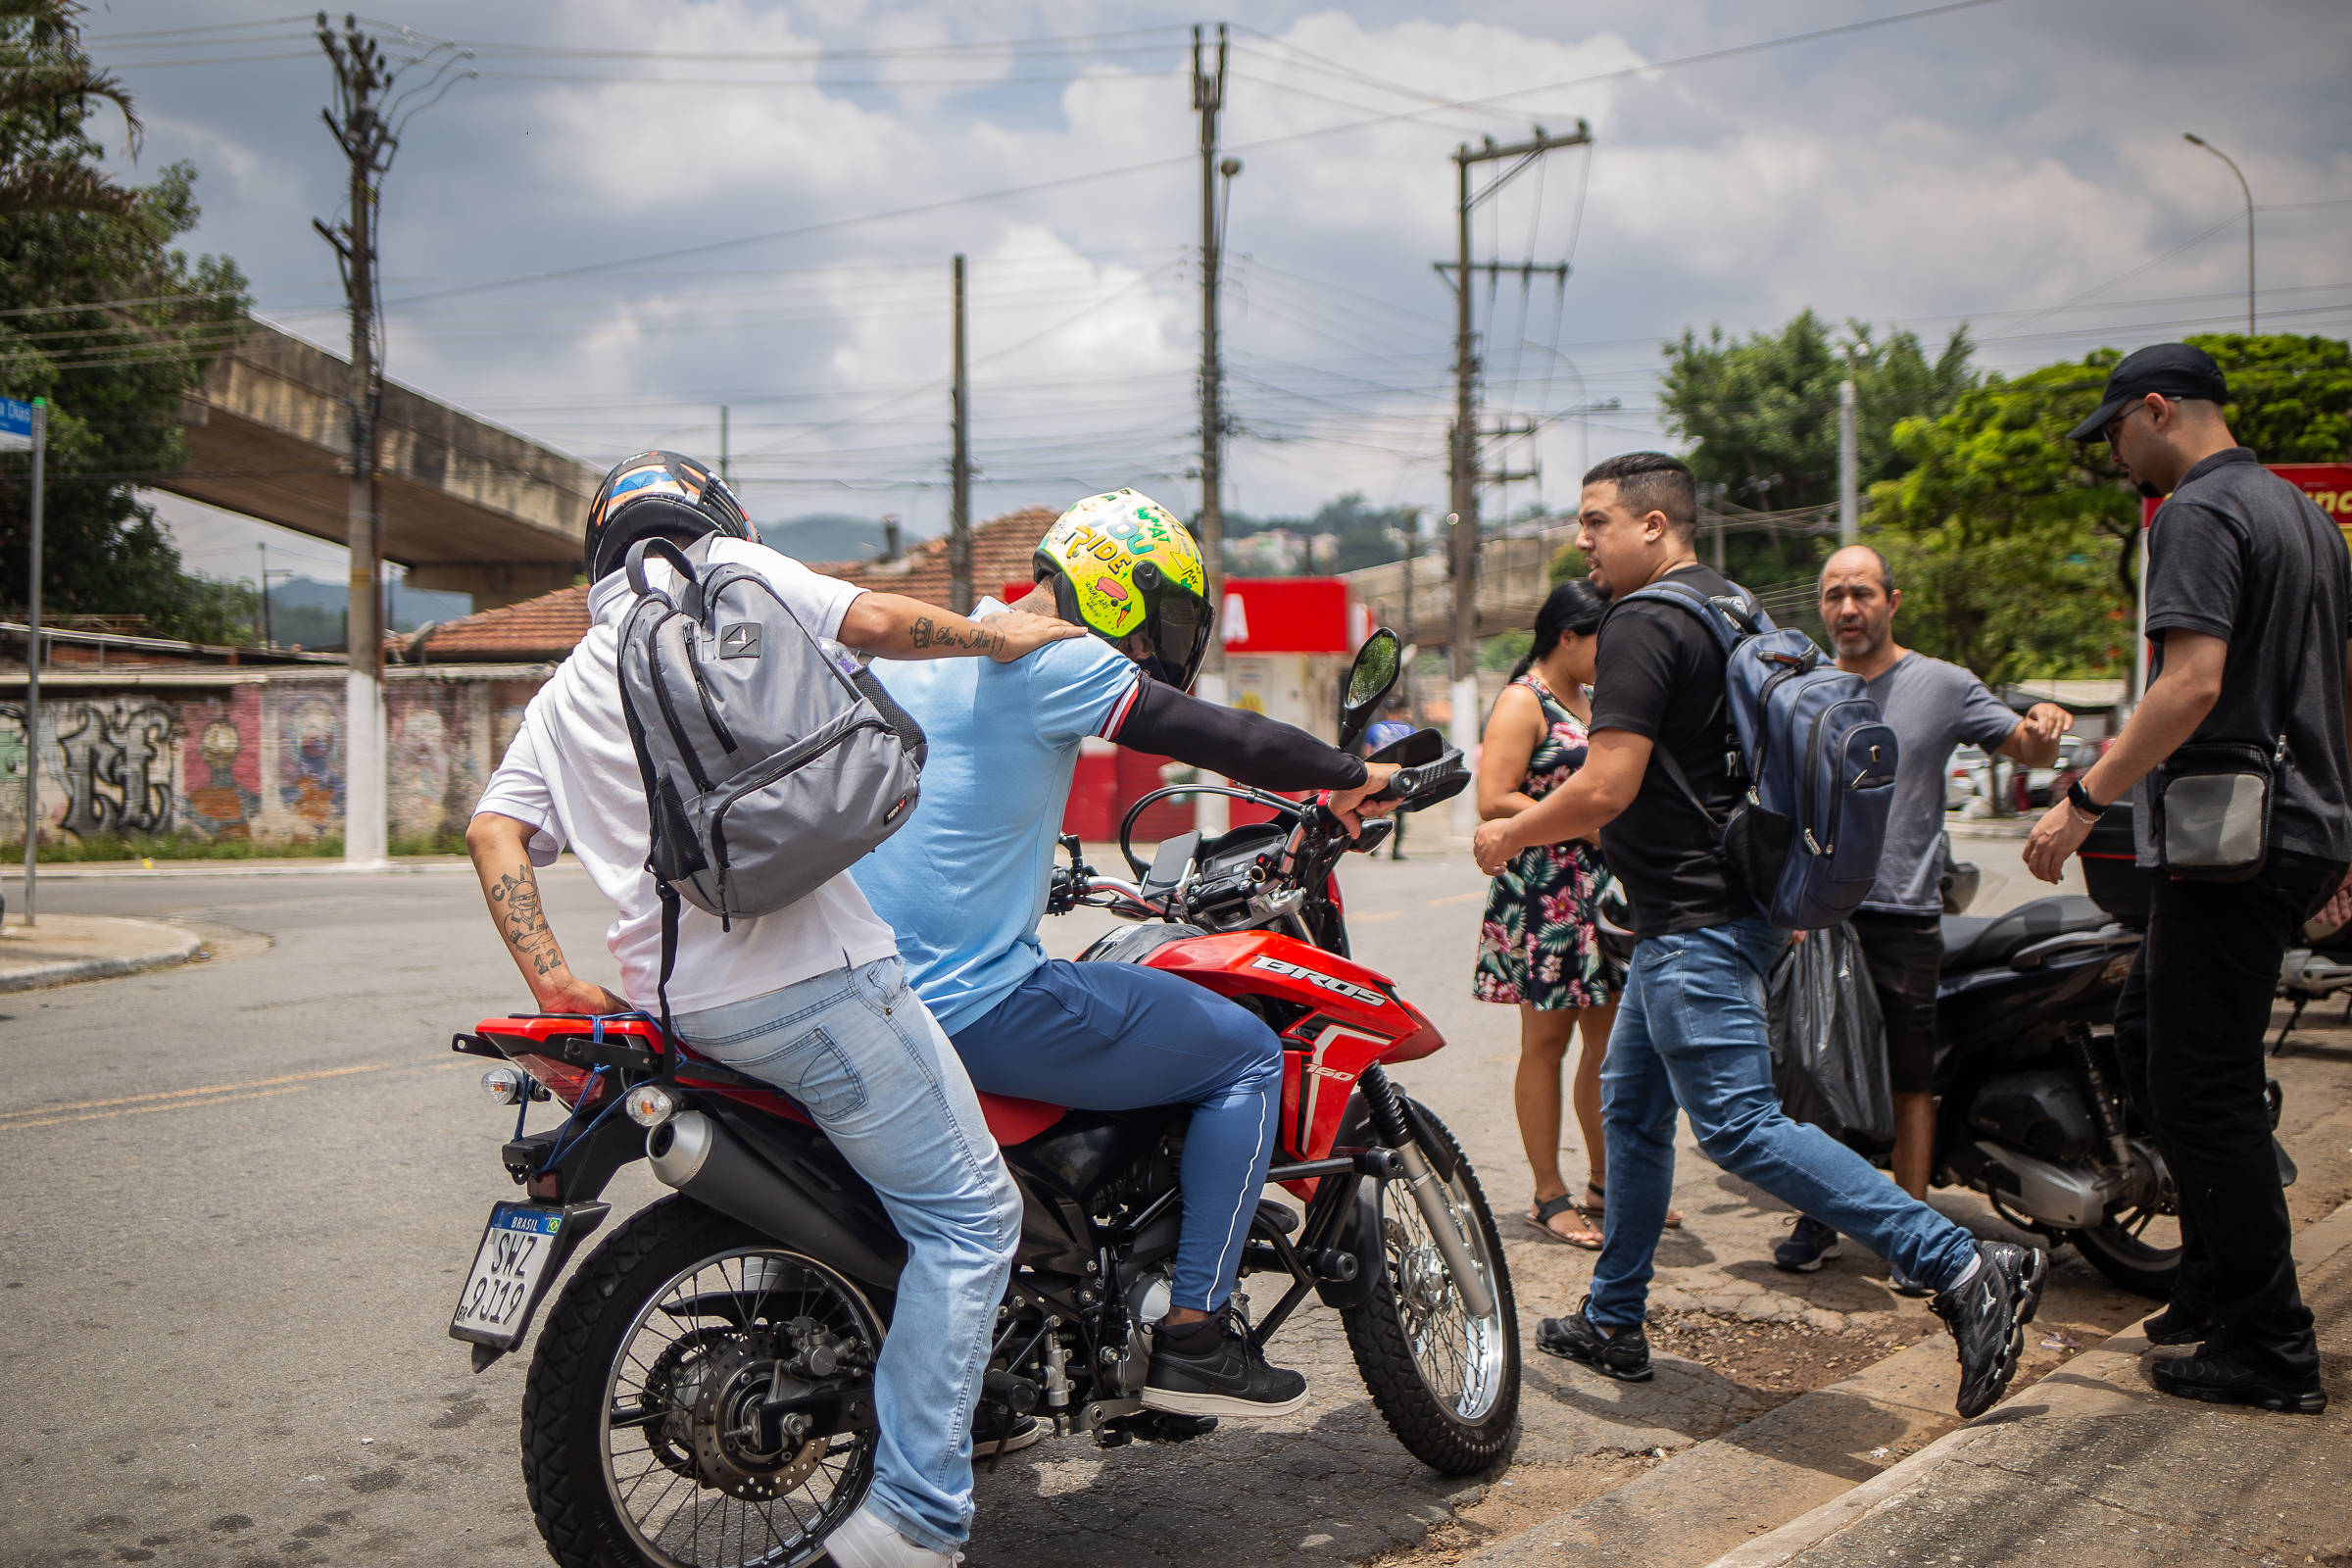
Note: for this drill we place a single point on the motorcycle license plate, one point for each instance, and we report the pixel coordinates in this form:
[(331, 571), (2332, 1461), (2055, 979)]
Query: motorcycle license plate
[(520, 1249)]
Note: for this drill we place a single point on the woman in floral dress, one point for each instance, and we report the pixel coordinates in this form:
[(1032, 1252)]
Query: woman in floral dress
[(1537, 949)]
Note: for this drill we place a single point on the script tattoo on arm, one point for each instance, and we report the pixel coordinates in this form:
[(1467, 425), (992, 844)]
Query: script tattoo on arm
[(522, 920)]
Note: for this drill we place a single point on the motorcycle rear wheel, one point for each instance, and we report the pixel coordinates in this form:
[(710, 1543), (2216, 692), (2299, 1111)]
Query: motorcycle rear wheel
[(2117, 1248), (625, 1337), (1447, 1384)]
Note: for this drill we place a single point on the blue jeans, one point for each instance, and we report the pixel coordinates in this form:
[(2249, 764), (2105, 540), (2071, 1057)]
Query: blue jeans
[(1121, 1037), (860, 1051), (1690, 1033)]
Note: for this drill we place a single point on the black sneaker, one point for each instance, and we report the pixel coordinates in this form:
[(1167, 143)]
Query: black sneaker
[(2220, 1374), (1622, 1355), (1988, 1314), (1231, 1377), (1808, 1246), (2176, 1325), (997, 1431)]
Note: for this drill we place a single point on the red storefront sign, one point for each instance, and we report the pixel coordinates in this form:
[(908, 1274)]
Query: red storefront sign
[(1285, 615), (2328, 485)]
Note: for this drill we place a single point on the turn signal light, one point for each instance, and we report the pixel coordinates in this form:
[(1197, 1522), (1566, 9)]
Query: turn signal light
[(505, 1085), (649, 1105)]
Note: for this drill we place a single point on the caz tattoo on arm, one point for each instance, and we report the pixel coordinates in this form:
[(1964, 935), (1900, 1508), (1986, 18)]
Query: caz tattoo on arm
[(522, 920)]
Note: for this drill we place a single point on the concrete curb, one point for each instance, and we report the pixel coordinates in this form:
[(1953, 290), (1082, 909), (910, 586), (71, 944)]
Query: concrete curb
[(2083, 1386), (71, 871), (179, 945), (1800, 1452)]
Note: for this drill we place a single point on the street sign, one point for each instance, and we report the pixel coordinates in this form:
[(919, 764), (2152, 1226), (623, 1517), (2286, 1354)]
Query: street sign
[(16, 425)]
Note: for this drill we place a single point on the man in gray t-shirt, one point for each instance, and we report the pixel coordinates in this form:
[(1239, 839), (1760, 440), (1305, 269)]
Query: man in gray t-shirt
[(1932, 706)]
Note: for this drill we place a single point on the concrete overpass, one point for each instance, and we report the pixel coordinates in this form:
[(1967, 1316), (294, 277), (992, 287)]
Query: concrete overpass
[(467, 505)]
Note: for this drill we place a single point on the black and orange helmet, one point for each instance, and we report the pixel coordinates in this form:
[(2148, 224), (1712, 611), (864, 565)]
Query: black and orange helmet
[(658, 493)]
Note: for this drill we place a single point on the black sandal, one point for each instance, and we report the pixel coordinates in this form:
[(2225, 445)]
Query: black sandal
[(1553, 1208), (1594, 1210)]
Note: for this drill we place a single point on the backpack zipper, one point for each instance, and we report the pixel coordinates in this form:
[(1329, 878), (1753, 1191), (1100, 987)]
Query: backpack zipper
[(786, 763), (719, 728), (670, 717)]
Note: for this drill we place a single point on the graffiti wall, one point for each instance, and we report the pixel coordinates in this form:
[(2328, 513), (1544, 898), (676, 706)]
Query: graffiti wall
[(259, 763)]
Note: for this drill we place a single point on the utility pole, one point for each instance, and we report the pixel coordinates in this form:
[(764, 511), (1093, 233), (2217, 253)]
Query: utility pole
[(1208, 101), (1462, 468), (366, 120), (266, 640), (959, 514), (726, 470), (1849, 467), (37, 433)]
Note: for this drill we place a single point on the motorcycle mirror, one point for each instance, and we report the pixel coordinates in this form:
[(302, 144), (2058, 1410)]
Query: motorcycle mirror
[(1375, 670)]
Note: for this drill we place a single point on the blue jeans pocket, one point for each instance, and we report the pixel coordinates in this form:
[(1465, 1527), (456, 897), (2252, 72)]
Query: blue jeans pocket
[(882, 986), (807, 1063)]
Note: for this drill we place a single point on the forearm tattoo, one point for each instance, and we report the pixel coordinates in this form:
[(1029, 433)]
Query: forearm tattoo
[(927, 633), (522, 921)]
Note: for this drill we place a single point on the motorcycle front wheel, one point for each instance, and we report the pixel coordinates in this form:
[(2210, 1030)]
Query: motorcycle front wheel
[(1445, 1381), (642, 1443)]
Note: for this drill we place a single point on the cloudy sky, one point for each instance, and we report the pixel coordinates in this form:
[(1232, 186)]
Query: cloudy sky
[(637, 211)]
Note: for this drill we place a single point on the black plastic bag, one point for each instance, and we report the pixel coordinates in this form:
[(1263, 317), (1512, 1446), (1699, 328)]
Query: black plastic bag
[(1828, 1043)]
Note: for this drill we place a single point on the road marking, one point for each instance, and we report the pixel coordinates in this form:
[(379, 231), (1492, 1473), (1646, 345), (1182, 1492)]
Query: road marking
[(9, 1119), (1458, 897), (141, 1110)]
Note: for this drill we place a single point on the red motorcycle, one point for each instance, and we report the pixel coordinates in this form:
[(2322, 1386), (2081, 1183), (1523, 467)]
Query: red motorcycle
[(700, 1393)]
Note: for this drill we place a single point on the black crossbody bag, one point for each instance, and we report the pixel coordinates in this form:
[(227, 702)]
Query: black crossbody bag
[(2214, 797)]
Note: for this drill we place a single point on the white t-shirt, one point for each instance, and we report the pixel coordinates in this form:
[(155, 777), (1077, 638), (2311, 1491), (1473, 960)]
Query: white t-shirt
[(573, 775)]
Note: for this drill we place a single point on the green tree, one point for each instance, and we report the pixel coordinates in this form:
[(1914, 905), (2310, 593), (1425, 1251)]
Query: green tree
[(1760, 416), (99, 315), (2014, 547)]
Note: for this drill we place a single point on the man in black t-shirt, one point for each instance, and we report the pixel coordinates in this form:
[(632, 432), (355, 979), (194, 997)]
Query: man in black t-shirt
[(1690, 1033), (2249, 595)]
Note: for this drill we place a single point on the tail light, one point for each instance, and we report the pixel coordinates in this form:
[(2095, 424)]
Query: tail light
[(564, 1081)]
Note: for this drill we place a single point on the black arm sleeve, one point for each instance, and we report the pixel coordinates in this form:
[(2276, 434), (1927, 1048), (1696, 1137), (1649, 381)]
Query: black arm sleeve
[(1249, 748)]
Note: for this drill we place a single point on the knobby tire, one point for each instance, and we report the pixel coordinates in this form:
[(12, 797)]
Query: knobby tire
[(562, 1439), (1425, 1424)]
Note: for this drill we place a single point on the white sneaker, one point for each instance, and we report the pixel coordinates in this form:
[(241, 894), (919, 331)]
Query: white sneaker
[(866, 1541)]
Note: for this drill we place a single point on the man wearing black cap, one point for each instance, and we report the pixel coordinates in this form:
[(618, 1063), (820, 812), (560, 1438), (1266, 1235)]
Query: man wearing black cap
[(2249, 590)]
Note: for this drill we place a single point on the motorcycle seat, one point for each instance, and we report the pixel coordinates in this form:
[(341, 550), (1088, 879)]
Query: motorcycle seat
[(1977, 941), (1016, 1121)]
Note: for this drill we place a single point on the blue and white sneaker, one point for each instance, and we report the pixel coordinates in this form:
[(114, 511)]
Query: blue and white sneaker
[(1808, 1246)]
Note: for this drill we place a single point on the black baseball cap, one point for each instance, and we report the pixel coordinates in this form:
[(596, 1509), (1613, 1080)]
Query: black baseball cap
[(2169, 369)]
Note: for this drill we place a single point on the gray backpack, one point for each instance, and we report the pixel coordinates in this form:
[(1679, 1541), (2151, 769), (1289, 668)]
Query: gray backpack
[(768, 767)]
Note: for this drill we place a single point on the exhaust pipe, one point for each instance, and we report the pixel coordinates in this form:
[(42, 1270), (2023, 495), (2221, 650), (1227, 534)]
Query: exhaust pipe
[(698, 1158)]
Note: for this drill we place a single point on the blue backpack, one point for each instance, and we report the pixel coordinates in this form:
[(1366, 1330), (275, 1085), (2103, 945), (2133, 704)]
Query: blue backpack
[(1819, 765)]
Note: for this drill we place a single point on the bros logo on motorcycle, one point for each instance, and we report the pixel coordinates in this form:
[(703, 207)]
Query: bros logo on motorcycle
[(1345, 988)]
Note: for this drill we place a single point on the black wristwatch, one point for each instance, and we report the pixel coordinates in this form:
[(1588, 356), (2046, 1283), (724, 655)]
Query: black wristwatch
[(2080, 799)]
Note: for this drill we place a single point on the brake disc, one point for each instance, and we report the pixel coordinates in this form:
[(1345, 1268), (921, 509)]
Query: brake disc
[(728, 1452)]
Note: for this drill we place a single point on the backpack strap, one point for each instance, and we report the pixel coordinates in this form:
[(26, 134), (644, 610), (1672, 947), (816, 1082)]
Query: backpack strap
[(670, 958), (1732, 624), (634, 563), (1730, 621)]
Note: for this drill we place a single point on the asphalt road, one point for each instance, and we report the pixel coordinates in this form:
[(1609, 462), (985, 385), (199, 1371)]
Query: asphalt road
[(241, 1195)]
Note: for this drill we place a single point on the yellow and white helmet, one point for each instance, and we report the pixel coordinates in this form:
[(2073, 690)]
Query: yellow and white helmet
[(1121, 565)]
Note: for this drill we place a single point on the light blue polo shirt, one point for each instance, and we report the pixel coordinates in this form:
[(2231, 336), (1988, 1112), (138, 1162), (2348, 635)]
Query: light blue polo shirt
[(963, 882)]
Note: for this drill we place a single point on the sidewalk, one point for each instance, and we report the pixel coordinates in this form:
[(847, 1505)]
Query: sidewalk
[(292, 866), (65, 948), (2092, 1467)]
